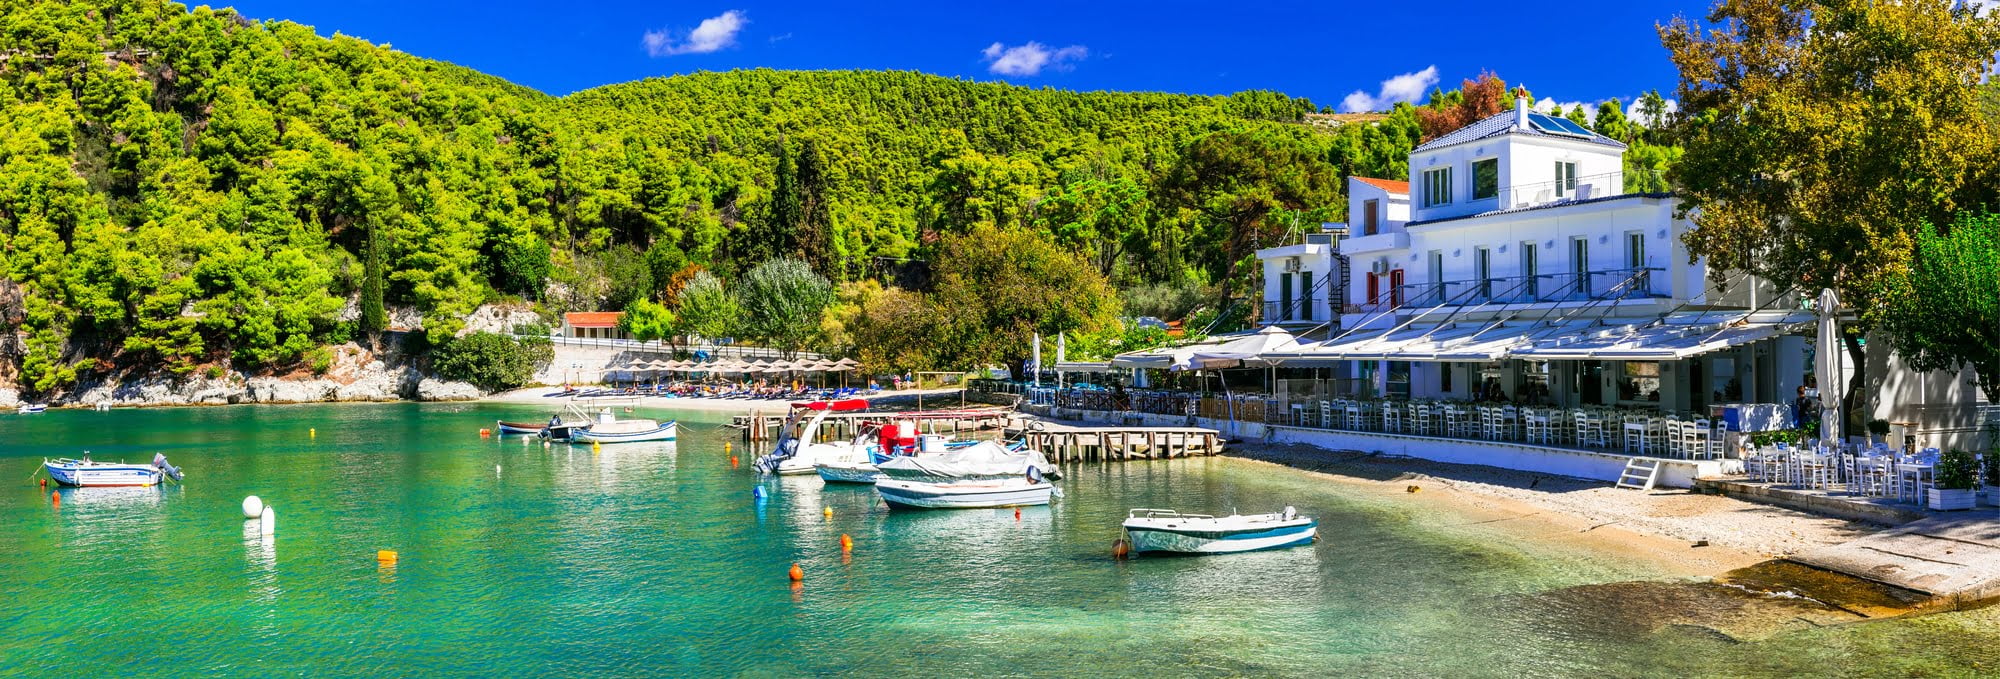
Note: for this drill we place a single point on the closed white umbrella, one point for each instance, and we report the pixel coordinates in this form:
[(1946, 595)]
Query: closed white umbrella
[(1828, 364)]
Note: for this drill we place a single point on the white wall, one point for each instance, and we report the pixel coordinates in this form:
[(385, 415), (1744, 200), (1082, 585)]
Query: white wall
[(1524, 160)]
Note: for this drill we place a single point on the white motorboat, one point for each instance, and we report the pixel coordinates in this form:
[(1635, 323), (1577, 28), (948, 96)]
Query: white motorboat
[(87, 473), (1015, 492), (1166, 530), (851, 470), (979, 461), (848, 472), (798, 452), (32, 408)]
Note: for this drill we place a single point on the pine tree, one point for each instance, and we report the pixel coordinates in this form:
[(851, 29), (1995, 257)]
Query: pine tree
[(373, 317)]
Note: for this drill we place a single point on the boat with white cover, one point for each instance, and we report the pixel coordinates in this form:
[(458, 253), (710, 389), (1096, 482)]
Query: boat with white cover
[(980, 461), (626, 431), (32, 408), (87, 473), (1015, 492), (866, 471), (1166, 530)]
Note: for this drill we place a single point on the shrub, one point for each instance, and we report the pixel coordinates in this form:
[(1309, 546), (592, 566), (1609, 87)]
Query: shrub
[(213, 372), (1956, 470), (319, 360), (492, 361), (1878, 427), (532, 329), (1992, 461)]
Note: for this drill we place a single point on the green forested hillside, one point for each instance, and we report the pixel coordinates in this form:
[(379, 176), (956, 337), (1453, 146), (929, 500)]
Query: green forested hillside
[(182, 188)]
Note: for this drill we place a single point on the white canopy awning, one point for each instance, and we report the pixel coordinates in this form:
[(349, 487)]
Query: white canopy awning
[(1167, 357), (1082, 367), (1243, 350), (1674, 337)]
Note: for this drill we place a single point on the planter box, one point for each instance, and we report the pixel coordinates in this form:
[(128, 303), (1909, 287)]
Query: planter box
[(1993, 495), (1952, 500)]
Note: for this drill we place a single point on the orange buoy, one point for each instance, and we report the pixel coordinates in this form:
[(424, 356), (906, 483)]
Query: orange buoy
[(1120, 549), (1017, 513), (385, 556), (732, 462), (483, 433), (45, 483), (846, 543), (797, 574), (56, 499)]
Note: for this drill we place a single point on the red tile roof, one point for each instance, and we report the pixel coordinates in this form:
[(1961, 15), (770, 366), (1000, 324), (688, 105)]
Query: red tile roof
[(1390, 185), (592, 319)]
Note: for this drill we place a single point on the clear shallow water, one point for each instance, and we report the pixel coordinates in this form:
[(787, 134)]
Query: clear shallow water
[(653, 559)]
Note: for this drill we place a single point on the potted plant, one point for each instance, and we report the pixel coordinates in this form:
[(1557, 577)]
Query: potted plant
[(1878, 430), (1957, 482)]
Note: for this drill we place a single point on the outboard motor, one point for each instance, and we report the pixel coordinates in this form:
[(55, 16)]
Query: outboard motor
[(160, 463), (786, 448)]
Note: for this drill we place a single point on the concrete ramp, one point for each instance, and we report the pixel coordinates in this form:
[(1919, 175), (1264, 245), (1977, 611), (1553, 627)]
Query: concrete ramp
[(1952, 555)]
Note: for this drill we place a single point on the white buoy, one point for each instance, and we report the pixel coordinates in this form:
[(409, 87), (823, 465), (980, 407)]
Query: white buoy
[(270, 520), (253, 507)]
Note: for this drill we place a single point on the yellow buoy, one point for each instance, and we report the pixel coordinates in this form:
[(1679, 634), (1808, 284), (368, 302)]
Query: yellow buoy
[(385, 556), (312, 433), (725, 447), (828, 512)]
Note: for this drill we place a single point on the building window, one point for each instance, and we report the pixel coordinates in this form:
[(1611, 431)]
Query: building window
[(1579, 264), (1485, 178), (1635, 262), (1437, 276), (1370, 222), (1482, 271), (1565, 178), (1437, 187), (1641, 381), (1398, 379), (1530, 271)]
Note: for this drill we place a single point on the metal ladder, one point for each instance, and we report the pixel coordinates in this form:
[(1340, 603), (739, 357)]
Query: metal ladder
[(1640, 473)]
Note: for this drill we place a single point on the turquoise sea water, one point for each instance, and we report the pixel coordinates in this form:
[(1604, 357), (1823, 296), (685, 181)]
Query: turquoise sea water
[(653, 559)]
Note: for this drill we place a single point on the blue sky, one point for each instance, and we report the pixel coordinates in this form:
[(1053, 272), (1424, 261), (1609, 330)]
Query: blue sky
[(1324, 51)]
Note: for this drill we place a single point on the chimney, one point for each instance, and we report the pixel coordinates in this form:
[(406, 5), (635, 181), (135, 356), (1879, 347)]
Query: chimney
[(1521, 112)]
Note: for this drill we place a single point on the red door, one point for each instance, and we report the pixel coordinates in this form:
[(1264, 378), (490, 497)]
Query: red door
[(1374, 288), (1396, 288)]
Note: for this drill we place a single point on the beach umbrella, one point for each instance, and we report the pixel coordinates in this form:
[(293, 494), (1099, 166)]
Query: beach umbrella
[(1035, 361), (1828, 364)]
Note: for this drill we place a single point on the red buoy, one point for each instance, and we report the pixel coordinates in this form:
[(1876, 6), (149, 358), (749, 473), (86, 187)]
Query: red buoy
[(846, 543), (1017, 513)]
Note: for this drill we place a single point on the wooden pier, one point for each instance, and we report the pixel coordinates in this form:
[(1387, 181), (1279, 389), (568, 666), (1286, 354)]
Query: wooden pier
[(762, 426), (1076, 443)]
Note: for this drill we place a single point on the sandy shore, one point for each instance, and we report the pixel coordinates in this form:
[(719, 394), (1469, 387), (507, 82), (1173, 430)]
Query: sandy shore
[(1684, 533), (933, 399)]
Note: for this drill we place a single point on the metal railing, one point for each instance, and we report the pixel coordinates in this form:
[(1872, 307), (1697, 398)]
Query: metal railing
[(1552, 191), (1296, 310), (1549, 287)]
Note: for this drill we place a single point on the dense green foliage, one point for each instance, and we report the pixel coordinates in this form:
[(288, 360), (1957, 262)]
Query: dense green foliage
[(492, 360), (646, 320), (181, 188), (782, 300), (1943, 312)]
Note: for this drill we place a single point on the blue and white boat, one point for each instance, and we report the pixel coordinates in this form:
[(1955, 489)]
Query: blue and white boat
[(1015, 492), (32, 408), (1166, 530), (626, 431), (86, 473)]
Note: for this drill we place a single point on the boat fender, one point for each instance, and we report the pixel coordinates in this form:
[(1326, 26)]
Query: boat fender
[(1120, 549), (757, 492), (1034, 474), (253, 507)]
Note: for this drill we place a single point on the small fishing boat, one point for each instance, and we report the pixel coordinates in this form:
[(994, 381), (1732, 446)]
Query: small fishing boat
[(1166, 530), (1016, 492), (609, 429), (86, 473), (536, 428), (32, 408)]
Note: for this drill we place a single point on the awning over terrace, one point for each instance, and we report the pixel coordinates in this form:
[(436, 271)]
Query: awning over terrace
[(1673, 337), (1669, 337)]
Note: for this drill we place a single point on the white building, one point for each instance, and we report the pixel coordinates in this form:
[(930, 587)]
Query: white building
[(1516, 262)]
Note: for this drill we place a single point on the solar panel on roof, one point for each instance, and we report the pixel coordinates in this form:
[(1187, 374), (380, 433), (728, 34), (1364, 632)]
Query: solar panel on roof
[(1555, 125)]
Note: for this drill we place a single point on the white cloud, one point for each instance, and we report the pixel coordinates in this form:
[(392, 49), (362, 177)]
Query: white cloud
[(1405, 87), (1029, 60), (713, 34)]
